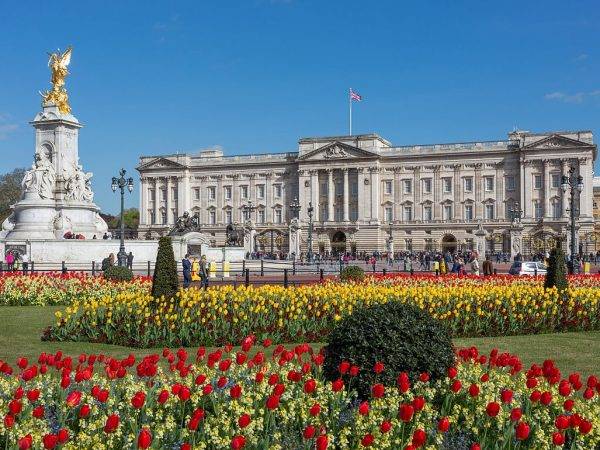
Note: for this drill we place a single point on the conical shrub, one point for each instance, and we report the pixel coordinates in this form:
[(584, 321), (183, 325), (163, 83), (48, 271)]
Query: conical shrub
[(165, 281), (556, 274)]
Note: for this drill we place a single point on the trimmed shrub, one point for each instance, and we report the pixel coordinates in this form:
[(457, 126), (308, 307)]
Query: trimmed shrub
[(556, 274), (402, 337), (352, 273), (118, 273), (165, 281)]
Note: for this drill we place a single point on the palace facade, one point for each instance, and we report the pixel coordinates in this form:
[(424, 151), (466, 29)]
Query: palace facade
[(364, 190)]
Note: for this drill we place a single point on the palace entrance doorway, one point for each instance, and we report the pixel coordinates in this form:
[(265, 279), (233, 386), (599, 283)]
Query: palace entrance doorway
[(449, 243), (338, 243)]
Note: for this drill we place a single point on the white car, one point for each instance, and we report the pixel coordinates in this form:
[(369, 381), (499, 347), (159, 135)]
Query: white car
[(530, 268)]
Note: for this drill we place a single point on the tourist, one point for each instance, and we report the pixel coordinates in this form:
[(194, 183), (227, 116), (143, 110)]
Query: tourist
[(488, 267), (475, 265), (187, 271), (195, 270), (10, 260), (107, 262), (130, 261), (204, 272), (25, 260)]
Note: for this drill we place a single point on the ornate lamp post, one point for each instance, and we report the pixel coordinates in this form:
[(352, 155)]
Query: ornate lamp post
[(121, 183), (295, 207), (309, 253), (575, 184), (248, 210), (516, 213)]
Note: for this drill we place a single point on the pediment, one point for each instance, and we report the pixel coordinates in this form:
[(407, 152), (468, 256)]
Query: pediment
[(161, 163), (337, 151), (555, 141)]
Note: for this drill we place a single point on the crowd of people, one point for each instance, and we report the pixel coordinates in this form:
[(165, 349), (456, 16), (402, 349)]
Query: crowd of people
[(194, 270)]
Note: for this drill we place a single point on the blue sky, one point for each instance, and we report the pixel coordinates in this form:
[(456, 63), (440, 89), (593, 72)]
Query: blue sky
[(256, 75)]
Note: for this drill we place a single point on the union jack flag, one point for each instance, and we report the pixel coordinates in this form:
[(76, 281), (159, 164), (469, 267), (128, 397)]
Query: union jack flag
[(355, 96)]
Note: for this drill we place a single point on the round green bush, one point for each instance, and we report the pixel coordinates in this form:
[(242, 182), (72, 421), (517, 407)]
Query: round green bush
[(352, 273), (402, 337), (118, 273)]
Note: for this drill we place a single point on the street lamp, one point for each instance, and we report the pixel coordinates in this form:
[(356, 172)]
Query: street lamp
[(309, 253), (575, 184), (248, 210), (295, 207), (516, 212), (121, 183)]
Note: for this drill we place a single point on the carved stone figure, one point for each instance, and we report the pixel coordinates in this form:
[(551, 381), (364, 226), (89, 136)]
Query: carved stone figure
[(58, 94), (41, 178), (233, 237), (335, 152), (78, 184), (185, 224), (516, 244)]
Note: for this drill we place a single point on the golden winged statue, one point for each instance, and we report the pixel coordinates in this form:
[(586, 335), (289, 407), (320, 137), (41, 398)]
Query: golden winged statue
[(58, 64)]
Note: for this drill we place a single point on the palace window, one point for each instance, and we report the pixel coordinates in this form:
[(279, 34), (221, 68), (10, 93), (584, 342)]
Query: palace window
[(354, 189), (537, 209), (338, 187), (469, 184), (173, 193), (407, 186), (228, 217), (163, 194), (151, 195), (489, 211), (174, 215), (212, 217), (407, 213), (353, 213), (152, 217), (278, 215), (387, 187), (447, 212), (163, 217), (427, 213), (260, 217), (389, 214), (468, 213), (196, 194), (324, 187), (277, 190), (488, 183), (555, 180), (427, 185), (211, 190), (537, 181), (246, 214), (510, 183), (447, 183), (244, 192), (260, 191), (556, 209), (227, 192)]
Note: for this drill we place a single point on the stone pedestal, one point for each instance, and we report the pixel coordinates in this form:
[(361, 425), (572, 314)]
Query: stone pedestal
[(516, 239), (294, 239), (249, 236), (480, 235)]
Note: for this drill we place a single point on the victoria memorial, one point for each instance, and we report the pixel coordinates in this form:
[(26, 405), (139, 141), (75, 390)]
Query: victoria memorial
[(361, 193)]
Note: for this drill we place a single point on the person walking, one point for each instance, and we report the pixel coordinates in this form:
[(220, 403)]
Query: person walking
[(475, 265), (130, 261), (25, 261), (204, 272), (187, 271), (10, 260)]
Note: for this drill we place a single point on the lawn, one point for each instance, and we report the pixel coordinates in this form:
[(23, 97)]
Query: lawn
[(21, 328)]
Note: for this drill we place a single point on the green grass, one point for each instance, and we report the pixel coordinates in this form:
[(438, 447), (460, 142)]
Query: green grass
[(21, 328)]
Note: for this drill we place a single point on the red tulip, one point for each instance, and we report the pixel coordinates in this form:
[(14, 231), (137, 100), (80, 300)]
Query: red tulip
[(378, 390), (443, 425), (310, 386), (363, 408), (25, 443), (244, 420), (378, 367), (38, 412), (273, 402), (452, 372), (562, 422), (506, 395), (419, 438), (516, 414), (385, 426), (235, 391), (424, 377), (337, 385), (344, 367), (309, 432), (84, 411), (367, 440), (473, 390), (73, 398), (33, 395), (315, 410), (418, 403), (522, 431), (112, 423), (585, 427), (144, 438), (238, 442), (492, 409), (405, 413), (9, 420), (15, 407), (50, 441), (63, 435), (456, 386), (558, 438), (322, 442)]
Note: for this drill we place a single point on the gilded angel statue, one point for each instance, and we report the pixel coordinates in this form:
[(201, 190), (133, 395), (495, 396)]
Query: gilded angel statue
[(58, 64)]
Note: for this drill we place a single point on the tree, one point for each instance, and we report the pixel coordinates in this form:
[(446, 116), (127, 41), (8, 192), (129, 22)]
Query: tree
[(165, 281), (556, 274), (131, 217), (10, 191)]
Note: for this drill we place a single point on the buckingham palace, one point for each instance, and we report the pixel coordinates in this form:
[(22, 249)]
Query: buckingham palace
[(362, 193)]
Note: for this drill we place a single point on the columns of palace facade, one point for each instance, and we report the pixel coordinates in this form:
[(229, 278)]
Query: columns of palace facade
[(500, 193), (156, 200), (477, 189), (143, 201), (168, 203), (456, 209), (360, 178), (564, 169), (314, 193), (268, 199), (346, 195), (547, 185), (330, 196), (375, 199), (586, 198), (219, 198)]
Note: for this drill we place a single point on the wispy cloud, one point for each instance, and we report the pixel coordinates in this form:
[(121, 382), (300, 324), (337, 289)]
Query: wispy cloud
[(6, 127), (164, 27), (581, 57), (578, 97)]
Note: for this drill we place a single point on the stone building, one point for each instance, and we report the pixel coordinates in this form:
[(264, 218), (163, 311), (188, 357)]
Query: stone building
[(368, 194)]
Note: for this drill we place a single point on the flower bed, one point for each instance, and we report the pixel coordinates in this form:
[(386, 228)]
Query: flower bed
[(241, 399), (47, 289), (220, 315)]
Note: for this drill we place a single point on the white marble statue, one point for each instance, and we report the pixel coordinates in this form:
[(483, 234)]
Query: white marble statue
[(78, 184), (41, 178)]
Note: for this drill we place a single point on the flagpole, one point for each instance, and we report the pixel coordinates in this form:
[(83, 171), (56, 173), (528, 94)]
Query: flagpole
[(350, 102)]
